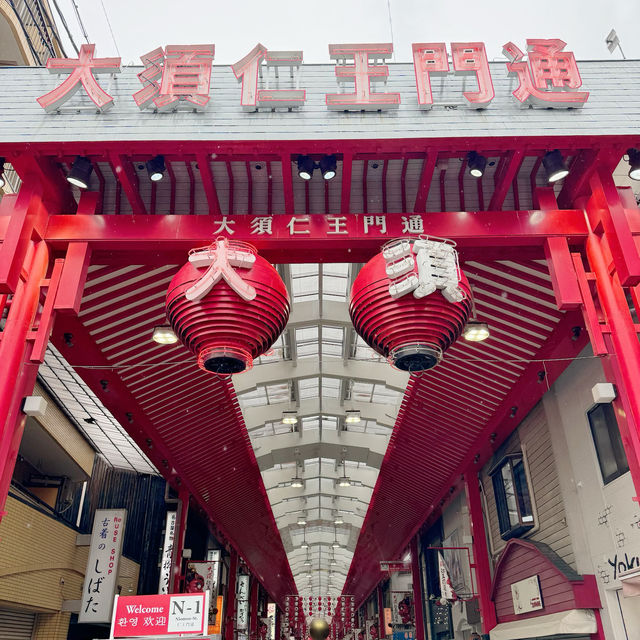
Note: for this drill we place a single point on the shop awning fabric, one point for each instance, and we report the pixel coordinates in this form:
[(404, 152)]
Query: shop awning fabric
[(574, 621)]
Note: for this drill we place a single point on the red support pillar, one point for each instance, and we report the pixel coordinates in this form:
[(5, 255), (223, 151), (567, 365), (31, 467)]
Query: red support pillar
[(18, 373), (230, 607), (625, 347), (178, 540), (480, 552), (417, 589), (380, 612), (253, 608)]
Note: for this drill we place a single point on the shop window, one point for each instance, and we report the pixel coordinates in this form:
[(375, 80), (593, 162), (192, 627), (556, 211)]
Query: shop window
[(608, 442), (513, 499)]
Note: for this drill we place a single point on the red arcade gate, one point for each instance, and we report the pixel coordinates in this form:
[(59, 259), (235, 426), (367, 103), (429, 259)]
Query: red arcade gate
[(587, 233)]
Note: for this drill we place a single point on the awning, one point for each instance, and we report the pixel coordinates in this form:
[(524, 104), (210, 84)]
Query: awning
[(574, 621)]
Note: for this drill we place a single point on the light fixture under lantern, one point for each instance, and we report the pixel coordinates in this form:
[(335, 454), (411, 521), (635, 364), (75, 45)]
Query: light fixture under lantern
[(164, 335), (475, 331), (80, 172), (289, 417), (555, 166), (477, 164), (352, 416), (306, 165), (328, 166), (156, 168), (634, 163)]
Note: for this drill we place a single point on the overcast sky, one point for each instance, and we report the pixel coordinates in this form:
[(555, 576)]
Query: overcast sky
[(235, 26)]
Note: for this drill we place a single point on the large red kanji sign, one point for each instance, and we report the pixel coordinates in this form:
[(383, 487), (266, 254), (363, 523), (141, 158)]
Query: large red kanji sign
[(81, 70)]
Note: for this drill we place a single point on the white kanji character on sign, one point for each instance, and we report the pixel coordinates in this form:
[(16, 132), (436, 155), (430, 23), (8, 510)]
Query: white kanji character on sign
[(375, 221), (261, 225), (223, 226), (412, 224), (221, 258), (337, 225), (292, 225)]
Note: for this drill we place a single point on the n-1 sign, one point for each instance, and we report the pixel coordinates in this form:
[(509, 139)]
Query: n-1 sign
[(160, 615)]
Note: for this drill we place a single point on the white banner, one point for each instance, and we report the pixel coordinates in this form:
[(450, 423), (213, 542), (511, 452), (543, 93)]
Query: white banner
[(167, 553), (242, 607), (446, 590), (101, 576)]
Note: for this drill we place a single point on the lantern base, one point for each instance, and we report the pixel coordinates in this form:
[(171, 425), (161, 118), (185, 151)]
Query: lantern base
[(224, 361), (415, 357)]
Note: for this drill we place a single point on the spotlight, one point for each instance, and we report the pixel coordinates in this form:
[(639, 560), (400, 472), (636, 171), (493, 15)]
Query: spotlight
[(328, 166), (634, 164), (476, 163), (80, 172), (156, 168), (289, 417), (352, 416), (2, 180), (476, 331), (555, 166), (306, 165), (164, 335)]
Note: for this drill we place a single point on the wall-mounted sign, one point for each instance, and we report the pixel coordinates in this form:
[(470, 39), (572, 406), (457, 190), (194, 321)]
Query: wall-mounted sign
[(526, 595), (394, 565), (180, 75), (160, 615), (101, 576), (167, 553), (242, 603)]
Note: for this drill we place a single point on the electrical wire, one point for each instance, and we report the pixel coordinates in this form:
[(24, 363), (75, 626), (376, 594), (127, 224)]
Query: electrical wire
[(66, 27), (77, 12), (110, 29)]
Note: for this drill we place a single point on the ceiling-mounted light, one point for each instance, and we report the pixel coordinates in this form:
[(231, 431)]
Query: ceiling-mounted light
[(343, 480), (475, 331), (328, 166), (305, 544), (338, 519), (352, 416), (634, 163), (306, 165), (156, 168), (297, 482), (2, 180), (302, 520), (555, 166), (289, 417), (80, 172), (333, 561), (307, 562), (164, 335), (335, 544), (476, 163)]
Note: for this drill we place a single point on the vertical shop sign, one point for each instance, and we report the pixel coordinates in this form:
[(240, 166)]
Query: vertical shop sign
[(167, 553), (101, 576), (242, 599)]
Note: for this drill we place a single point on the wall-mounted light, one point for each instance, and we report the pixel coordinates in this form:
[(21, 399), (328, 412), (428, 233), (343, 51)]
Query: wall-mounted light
[(477, 164), (80, 172), (164, 335), (156, 168), (555, 166), (634, 163), (352, 416), (475, 331), (289, 417)]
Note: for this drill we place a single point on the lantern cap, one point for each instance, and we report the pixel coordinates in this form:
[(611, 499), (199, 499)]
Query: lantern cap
[(223, 361), (416, 356)]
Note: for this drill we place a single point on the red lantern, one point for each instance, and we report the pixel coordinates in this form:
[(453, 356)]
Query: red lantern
[(227, 305), (412, 332)]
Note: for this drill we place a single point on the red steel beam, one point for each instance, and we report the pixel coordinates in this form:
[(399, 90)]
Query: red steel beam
[(287, 184), (345, 197), (125, 174), (208, 183), (509, 171), (428, 167)]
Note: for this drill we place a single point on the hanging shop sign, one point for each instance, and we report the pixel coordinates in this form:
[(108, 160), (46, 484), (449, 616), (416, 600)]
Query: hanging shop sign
[(167, 552), (160, 615), (101, 576), (391, 566), (179, 77)]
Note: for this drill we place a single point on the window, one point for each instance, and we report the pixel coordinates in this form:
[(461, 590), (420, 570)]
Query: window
[(513, 500), (608, 442)]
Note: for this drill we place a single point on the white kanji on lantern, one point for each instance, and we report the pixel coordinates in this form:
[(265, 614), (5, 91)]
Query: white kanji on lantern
[(220, 258), (422, 266)]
